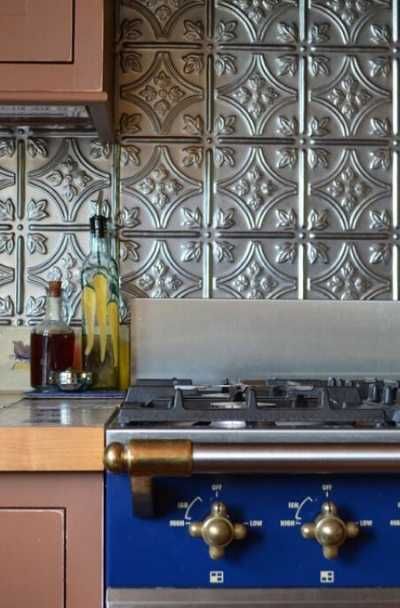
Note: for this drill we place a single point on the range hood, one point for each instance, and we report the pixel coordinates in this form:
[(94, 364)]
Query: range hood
[(56, 65)]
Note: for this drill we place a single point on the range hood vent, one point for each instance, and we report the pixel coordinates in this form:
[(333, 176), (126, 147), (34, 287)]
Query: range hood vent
[(46, 117)]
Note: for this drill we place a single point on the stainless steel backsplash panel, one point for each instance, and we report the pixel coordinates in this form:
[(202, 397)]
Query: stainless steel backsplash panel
[(209, 340)]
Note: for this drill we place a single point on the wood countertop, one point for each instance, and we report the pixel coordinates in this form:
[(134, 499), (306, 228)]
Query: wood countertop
[(52, 434)]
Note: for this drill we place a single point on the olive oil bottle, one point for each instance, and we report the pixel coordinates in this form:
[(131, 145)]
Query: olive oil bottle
[(100, 308)]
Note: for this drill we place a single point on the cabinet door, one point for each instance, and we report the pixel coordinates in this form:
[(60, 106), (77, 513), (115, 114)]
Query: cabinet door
[(51, 540), (36, 31), (32, 549)]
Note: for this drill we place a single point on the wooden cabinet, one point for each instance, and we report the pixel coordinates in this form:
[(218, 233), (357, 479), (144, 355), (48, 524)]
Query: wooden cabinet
[(32, 549), (51, 540), (40, 31), (58, 52)]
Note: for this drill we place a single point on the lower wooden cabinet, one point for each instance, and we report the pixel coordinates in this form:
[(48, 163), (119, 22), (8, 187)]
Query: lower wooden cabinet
[(51, 540)]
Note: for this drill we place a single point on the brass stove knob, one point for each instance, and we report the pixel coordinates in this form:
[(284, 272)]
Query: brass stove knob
[(330, 530), (217, 530)]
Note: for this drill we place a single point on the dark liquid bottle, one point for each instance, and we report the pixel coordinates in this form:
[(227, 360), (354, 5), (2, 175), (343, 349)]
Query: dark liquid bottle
[(52, 342)]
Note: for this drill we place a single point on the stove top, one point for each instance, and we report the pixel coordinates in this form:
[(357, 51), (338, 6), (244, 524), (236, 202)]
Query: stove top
[(275, 403)]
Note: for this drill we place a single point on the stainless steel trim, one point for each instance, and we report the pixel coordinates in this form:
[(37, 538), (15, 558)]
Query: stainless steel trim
[(182, 458), (293, 436), (253, 598), (275, 458)]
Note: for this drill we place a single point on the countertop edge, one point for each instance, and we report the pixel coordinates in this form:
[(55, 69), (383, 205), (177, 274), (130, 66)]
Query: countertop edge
[(51, 449)]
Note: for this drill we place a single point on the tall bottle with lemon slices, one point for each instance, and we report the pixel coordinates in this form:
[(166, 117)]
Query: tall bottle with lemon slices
[(100, 308)]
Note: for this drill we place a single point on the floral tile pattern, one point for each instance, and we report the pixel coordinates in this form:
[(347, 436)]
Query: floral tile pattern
[(45, 207), (259, 158), (274, 177)]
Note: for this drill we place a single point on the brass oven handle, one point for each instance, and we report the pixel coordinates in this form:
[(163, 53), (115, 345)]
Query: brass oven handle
[(154, 458), (150, 458)]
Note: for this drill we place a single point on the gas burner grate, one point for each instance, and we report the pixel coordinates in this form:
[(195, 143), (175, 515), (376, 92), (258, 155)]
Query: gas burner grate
[(276, 403)]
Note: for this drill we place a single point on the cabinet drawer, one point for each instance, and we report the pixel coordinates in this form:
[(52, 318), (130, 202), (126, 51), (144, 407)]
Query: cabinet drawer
[(36, 31)]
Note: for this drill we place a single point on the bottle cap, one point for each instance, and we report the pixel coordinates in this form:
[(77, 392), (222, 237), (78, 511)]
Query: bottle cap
[(55, 289), (98, 225)]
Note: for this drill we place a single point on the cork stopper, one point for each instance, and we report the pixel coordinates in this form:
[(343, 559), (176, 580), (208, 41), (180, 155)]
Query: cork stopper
[(55, 289)]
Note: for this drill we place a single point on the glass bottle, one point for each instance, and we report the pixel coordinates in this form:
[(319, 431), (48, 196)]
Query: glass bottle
[(100, 308), (52, 342)]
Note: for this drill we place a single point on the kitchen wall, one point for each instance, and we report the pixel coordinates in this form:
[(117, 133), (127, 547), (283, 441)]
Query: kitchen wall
[(259, 160)]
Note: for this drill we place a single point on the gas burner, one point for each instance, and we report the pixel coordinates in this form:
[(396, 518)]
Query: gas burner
[(291, 403)]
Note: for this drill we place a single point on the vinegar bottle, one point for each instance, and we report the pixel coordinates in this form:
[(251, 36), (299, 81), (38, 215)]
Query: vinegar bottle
[(52, 342), (100, 308)]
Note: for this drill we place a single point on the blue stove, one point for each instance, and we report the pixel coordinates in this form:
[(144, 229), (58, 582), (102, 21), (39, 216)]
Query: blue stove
[(286, 489)]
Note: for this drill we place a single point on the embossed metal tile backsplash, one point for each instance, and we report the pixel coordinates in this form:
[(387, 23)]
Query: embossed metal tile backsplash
[(260, 159), (46, 189), (265, 138)]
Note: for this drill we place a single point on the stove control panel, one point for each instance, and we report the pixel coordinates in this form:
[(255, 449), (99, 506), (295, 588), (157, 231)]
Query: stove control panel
[(256, 531)]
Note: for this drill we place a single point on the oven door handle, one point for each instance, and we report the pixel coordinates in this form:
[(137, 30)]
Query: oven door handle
[(181, 458)]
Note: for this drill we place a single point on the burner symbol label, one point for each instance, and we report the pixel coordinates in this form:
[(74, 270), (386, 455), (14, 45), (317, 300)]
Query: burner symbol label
[(327, 577), (216, 577)]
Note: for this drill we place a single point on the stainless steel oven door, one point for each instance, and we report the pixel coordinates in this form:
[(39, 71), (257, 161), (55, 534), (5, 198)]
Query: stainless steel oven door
[(253, 598)]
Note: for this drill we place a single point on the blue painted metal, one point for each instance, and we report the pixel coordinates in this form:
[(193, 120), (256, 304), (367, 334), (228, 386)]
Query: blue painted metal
[(159, 552)]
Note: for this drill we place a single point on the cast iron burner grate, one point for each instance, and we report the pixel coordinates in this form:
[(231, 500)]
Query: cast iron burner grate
[(332, 402)]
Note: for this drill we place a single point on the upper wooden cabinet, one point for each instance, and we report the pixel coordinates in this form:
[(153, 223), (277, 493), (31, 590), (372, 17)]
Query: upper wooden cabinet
[(57, 52)]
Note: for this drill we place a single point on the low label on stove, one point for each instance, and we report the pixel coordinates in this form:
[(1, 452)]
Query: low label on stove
[(256, 523), (327, 577), (216, 577), (365, 523), (395, 523)]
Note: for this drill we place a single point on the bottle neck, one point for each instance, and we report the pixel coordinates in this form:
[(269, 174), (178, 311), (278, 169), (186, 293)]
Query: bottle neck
[(54, 311), (99, 245)]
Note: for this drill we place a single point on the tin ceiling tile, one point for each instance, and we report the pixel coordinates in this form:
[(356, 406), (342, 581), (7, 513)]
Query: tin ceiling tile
[(163, 187), (257, 269), (258, 187), (10, 205), (248, 22), (349, 190), (67, 179), (158, 21), (260, 99), (160, 271), (63, 180), (349, 95), (354, 270), (165, 95), (60, 259), (356, 23)]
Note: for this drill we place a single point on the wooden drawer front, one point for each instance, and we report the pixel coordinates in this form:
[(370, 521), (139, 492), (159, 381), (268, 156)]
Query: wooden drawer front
[(36, 31), (32, 549)]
